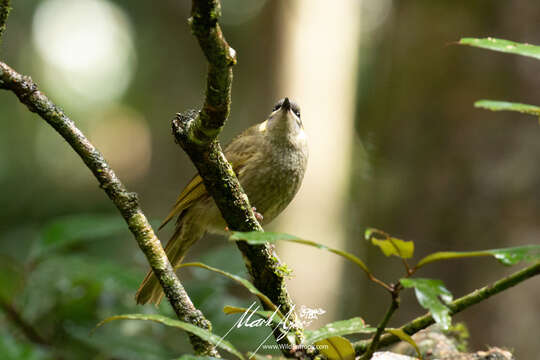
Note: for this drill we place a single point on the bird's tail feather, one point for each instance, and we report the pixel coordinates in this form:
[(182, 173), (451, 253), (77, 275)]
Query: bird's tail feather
[(185, 235)]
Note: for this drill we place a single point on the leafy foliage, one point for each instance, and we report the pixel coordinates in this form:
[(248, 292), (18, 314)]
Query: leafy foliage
[(390, 245), (203, 334), (336, 348), (355, 325), (432, 295), (511, 47), (73, 230)]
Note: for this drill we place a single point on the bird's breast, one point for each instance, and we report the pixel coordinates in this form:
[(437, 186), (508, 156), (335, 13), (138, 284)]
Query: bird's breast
[(276, 177)]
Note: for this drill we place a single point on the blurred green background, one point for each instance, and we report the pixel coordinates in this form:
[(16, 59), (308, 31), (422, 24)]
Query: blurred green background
[(423, 164)]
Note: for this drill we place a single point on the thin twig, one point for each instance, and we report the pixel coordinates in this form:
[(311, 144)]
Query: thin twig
[(127, 202), (379, 282), (374, 343), (456, 306), (197, 135), (27, 329)]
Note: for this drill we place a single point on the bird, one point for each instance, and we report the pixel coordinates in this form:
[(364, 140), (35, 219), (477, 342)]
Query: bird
[(269, 159)]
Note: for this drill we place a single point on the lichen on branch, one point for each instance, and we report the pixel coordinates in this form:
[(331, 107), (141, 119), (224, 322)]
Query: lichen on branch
[(126, 202), (196, 132), (5, 8)]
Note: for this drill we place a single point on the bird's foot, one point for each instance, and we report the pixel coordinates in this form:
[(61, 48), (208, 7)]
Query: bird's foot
[(258, 216)]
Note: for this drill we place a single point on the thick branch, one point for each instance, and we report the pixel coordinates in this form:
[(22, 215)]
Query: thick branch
[(28, 93), (4, 13), (457, 306), (197, 134)]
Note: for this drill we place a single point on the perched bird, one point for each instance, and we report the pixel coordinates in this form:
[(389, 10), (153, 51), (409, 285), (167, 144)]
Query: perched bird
[(269, 160)]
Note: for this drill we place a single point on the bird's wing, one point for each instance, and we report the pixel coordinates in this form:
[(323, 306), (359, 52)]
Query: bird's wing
[(241, 149), (237, 152), (193, 191)]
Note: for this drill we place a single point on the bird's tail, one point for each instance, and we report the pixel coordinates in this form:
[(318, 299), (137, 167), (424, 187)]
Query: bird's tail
[(185, 235)]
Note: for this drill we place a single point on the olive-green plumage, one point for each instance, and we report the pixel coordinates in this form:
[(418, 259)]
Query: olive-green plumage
[(269, 160)]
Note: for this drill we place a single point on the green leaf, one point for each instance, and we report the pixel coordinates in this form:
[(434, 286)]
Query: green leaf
[(512, 256), (402, 335), (258, 238), (506, 256), (70, 230), (507, 106), (390, 245), (195, 330), (11, 347), (429, 293), (505, 46), (123, 342), (355, 325), (336, 348), (245, 283)]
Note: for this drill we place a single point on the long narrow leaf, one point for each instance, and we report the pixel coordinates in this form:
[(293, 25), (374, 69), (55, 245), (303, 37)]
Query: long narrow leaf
[(507, 106), (195, 330), (257, 238), (506, 256), (402, 335), (502, 45), (245, 283)]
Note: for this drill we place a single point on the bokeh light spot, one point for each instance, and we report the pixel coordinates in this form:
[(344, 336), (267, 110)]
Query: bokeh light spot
[(87, 47)]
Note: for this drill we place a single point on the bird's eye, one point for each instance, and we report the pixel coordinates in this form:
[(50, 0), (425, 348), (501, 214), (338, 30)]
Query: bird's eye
[(295, 109), (278, 105)]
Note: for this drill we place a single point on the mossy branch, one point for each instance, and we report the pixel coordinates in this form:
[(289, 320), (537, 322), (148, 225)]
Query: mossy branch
[(196, 133), (5, 8), (126, 202), (456, 306)]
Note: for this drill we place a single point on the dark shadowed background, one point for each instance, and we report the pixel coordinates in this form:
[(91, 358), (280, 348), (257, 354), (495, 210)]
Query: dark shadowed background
[(421, 162)]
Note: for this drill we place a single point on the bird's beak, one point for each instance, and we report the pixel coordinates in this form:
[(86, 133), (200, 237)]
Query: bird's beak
[(286, 106)]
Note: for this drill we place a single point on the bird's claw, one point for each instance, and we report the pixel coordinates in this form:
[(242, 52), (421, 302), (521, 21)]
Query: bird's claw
[(258, 216)]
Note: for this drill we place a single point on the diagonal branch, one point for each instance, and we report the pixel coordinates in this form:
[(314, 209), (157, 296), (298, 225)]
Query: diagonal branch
[(126, 202), (456, 306), (197, 134), (27, 329)]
